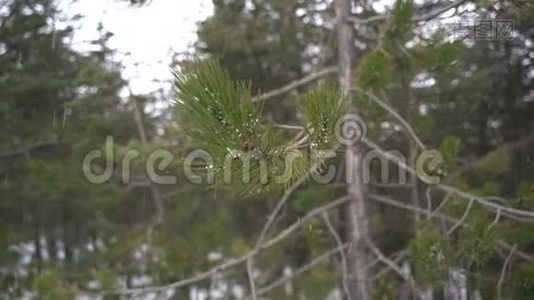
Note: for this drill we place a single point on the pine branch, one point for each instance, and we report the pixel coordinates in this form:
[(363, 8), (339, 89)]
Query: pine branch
[(224, 121)]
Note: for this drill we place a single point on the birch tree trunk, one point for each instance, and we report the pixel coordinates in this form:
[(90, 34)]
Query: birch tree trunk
[(356, 214)]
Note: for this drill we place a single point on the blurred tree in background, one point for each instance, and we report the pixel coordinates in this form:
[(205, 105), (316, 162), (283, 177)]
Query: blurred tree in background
[(472, 99)]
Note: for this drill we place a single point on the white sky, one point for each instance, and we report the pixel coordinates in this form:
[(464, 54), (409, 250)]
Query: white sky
[(145, 37)]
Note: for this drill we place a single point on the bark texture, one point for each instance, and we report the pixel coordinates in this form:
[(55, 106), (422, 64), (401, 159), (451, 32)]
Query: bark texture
[(356, 213)]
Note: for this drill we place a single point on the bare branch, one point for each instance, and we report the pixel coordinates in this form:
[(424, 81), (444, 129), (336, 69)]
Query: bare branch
[(450, 189), (521, 254), (392, 111), (289, 127), (278, 208), (443, 187), (438, 11), (479, 161), (392, 265), (295, 84), (333, 231), (251, 279), (464, 217), (497, 217), (428, 196), (236, 261), (138, 118), (305, 268), (504, 209), (25, 150), (441, 204), (443, 217), (396, 257), (299, 271), (425, 17), (503, 271)]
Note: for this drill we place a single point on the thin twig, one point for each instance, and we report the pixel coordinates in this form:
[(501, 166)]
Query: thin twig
[(281, 203), (428, 194), (392, 265), (480, 161), (25, 150), (236, 261), (289, 127), (250, 276), (438, 11), (497, 217), (156, 197), (295, 84), (425, 17), (441, 204), (297, 272), (337, 238), (392, 111), (450, 189), (305, 268), (464, 217), (443, 187), (396, 257), (503, 271), (443, 217)]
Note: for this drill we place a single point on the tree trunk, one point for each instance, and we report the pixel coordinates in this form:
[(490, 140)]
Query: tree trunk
[(356, 218)]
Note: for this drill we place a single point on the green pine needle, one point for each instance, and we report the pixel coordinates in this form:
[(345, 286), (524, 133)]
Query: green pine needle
[(220, 118)]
